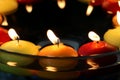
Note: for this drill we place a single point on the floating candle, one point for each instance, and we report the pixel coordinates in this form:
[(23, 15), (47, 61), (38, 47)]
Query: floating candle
[(57, 50), (4, 37), (111, 6), (97, 47), (21, 47), (8, 6), (112, 36)]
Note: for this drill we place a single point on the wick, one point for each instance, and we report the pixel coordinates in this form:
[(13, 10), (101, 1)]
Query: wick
[(58, 42), (17, 38)]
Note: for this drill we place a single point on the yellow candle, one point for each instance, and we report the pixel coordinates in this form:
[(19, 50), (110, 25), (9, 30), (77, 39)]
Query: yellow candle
[(8, 6), (20, 47)]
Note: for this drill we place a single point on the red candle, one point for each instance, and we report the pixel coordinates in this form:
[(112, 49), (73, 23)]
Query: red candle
[(95, 47), (4, 37), (111, 6)]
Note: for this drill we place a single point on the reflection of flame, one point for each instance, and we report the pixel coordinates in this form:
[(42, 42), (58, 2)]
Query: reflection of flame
[(92, 64), (119, 3), (61, 4), (93, 36), (12, 63), (29, 8), (5, 23), (12, 33), (118, 17), (50, 68), (89, 10), (52, 37)]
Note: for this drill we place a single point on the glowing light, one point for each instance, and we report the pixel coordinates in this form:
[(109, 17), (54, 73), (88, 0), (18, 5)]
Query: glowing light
[(61, 4), (29, 8), (93, 36), (89, 10)]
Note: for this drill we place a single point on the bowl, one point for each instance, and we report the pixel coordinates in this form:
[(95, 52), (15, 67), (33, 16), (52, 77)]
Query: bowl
[(84, 64)]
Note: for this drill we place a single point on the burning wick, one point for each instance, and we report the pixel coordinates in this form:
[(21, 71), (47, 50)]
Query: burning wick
[(53, 38)]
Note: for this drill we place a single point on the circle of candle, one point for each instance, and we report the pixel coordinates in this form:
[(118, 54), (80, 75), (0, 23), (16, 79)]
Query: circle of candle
[(111, 6), (8, 6), (21, 47), (57, 50), (97, 47)]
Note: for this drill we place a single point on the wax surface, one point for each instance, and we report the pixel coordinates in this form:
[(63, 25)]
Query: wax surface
[(8, 6), (24, 47), (58, 51)]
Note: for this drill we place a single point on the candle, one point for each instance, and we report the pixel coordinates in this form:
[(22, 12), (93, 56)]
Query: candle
[(4, 37), (57, 50), (18, 46), (111, 6), (8, 6), (97, 47), (112, 36), (116, 19)]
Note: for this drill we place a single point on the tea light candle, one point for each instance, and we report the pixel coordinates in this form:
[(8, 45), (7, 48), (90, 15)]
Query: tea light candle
[(111, 6), (8, 6), (95, 47), (21, 47), (57, 50), (112, 36)]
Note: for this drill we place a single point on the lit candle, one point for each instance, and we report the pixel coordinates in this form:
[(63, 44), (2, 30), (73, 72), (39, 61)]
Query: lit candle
[(4, 37), (20, 47), (111, 6), (57, 50), (95, 47), (112, 36)]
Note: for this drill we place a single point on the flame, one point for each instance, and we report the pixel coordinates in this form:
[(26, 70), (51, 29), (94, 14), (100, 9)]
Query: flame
[(93, 36), (52, 37), (50, 68), (92, 64), (118, 17), (89, 10), (119, 3), (4, 23), (29, 8), (12, 33), (61, 4)]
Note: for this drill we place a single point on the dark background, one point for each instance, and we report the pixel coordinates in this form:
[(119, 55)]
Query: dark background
[(71, 22)]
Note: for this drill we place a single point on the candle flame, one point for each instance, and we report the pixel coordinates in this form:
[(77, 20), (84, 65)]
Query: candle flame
[(11, 63), (12, 33), (52, 37), (89, 10), (4, 23), (118, 17), (29, 8), (119, 3), (61, 4), (93, 36)]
